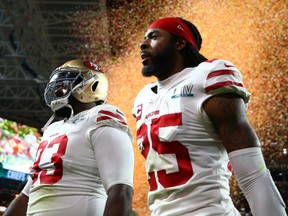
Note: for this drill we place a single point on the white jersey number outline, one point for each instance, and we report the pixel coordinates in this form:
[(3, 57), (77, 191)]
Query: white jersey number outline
[(185, 171), (53, 152)]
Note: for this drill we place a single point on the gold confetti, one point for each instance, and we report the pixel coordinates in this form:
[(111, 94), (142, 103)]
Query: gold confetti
[(252, 34)]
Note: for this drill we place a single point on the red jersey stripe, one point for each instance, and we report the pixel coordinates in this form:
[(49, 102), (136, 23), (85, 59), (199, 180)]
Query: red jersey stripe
[(222, 84), (220, 73), (110, 115), (211, 60)]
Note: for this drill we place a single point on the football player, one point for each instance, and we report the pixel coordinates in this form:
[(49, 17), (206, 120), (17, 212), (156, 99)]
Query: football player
[(192, 125), (84, 163)]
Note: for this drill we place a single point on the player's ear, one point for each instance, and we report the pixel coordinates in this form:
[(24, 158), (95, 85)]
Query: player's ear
[(181, 43)]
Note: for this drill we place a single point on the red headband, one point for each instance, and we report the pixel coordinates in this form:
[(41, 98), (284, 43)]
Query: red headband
[(176, 26)]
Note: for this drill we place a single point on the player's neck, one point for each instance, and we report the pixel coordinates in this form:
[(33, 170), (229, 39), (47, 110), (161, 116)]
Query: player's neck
[(82, 107)]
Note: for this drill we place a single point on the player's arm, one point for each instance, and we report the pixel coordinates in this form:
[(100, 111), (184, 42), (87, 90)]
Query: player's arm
[(228, 114), (119, 200), (115, 157), (19, 205)]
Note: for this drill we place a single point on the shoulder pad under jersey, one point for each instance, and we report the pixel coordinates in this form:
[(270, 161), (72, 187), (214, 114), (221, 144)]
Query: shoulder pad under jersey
[(224, 77), (109, 115)]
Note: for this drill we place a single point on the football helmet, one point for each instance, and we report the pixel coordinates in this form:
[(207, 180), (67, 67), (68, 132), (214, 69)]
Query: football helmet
[(84, 80)]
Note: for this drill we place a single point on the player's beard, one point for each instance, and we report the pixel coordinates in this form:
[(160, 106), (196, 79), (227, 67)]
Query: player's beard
[(160, 63)]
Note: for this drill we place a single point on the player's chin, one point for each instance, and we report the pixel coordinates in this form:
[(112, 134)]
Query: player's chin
[(148, 70)]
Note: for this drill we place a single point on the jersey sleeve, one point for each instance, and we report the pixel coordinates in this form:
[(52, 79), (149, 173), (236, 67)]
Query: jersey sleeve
[(111, 116), (224, 77), (114, 155)]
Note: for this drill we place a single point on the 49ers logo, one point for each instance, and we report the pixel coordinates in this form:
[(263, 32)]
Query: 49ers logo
[(92, 66)]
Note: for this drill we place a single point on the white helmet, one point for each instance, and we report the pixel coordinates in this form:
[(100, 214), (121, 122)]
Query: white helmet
[(84, 80)]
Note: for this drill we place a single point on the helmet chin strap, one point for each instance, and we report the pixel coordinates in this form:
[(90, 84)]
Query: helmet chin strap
[(48, 122), (56, 106)]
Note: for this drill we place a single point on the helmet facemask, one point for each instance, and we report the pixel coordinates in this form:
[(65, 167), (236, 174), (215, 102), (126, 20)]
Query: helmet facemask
[(61, 86), (84, 80)]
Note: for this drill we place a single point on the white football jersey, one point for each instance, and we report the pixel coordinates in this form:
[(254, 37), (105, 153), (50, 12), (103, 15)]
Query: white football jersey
[(67, 176), (186, 163)]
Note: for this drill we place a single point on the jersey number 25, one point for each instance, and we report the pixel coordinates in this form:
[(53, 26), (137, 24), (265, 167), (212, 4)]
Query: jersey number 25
[(181, 153)]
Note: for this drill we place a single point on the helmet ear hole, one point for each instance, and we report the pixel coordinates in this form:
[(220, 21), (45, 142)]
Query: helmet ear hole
[(94, 86)]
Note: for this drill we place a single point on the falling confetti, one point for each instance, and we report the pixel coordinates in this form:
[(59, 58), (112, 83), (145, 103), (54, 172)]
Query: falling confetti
[(252, 34)]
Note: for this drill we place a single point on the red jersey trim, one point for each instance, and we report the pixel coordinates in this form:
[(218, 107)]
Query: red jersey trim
[(220, 72), (211, 60), (110, 115), (222, 84)]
